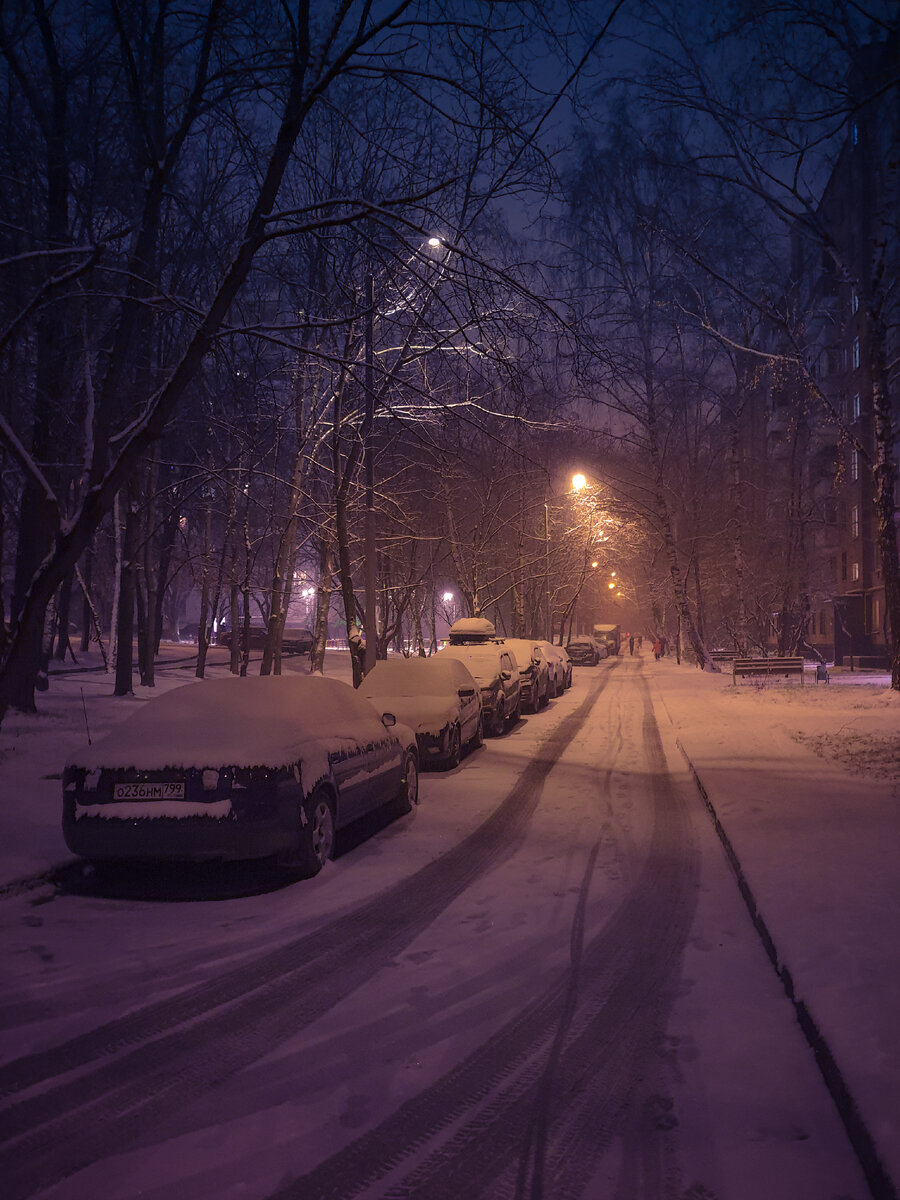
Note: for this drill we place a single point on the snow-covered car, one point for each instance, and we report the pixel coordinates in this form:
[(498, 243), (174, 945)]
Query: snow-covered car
[(534, 671), (294, 640), (436, 697), (494, 670), (238, 768), (585, 652), (560, 668)]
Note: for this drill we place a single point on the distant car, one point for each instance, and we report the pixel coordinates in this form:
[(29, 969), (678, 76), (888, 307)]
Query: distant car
[(294, 640), (585, 652), (497, 675), (560, 668), (534, 671), (436, 697), (238, 768)]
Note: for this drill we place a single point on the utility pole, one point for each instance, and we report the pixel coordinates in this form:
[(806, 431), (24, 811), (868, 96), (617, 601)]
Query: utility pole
[(548, 628)]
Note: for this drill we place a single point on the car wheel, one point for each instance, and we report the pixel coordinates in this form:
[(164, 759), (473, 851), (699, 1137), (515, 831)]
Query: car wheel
[(408, 796), (454, 752), (316, 833), (516, 714), (478, 737), (499, 721)]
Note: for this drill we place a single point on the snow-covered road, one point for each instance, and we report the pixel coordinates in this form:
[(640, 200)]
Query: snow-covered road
[(541, 985)]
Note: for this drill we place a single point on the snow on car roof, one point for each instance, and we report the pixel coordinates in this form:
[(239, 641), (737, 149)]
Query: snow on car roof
[(252, 721), (483, 661), (522, 648), (416, 677)]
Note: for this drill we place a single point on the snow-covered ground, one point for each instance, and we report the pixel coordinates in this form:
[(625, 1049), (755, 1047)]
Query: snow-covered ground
[(805, 781)]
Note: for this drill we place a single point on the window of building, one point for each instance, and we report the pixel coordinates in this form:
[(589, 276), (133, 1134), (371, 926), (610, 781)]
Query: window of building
[(854, 464), (854, 521), (844, 565), (854, 134), (853, 407), (876, 615), (822, 621), (854, 572), (854, 301), (855, 354)]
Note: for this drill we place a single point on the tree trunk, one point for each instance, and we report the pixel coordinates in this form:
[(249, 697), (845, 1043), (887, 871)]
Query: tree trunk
[(63, 611), (323, 606)]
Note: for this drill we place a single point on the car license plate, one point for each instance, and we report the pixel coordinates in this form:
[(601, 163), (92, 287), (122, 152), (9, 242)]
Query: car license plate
[(148, 791)]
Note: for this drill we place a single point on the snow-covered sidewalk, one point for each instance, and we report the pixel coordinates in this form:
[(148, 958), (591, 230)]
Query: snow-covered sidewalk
[(805, 783)]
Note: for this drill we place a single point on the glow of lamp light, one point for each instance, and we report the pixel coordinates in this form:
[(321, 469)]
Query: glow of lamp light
[(578, 482), (433, 241), (448, 596)]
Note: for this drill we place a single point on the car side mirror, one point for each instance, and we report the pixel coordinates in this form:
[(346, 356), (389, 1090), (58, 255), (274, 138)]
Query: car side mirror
[(388, 720), (506, 674), (465, 693)]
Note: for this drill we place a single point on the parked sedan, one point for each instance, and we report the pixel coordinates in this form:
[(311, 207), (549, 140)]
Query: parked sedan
[(534, 671), (497, 675), (560, 668), (436, 697), (238, 768), (585, 652)]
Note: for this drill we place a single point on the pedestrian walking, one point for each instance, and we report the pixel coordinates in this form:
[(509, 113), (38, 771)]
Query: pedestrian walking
[(631, 643), (663, 646), (656, 649), (640, 641)]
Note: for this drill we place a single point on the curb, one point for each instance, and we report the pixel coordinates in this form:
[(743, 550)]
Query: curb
[(880, 1184)]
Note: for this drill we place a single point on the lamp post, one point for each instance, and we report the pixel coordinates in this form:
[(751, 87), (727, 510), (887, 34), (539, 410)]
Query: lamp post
[(368, 440), (548, 628), (369, 451)]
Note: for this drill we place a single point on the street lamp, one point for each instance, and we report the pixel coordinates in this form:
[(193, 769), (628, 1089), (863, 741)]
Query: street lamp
[(368, 439), (579, 482)]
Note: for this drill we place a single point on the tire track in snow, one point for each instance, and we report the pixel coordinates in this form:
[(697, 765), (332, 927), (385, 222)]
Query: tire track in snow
[(529, 1114), (102, 1091)]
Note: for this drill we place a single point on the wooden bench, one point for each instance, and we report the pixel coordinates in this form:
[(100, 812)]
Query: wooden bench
[(767, 667), (722, 655)]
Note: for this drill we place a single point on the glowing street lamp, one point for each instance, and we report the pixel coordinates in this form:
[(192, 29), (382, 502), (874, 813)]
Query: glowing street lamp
[(579, 482)]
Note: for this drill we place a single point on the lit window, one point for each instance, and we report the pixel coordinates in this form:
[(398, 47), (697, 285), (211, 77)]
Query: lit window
[(854, 571), (854, 301), (854, 134), (854, 464), (855, 353), (876, 615), (854, 521), (854, 407)]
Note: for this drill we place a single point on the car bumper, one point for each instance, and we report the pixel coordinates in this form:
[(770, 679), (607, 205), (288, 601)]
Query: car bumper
[(229, 832), (433, 748)]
